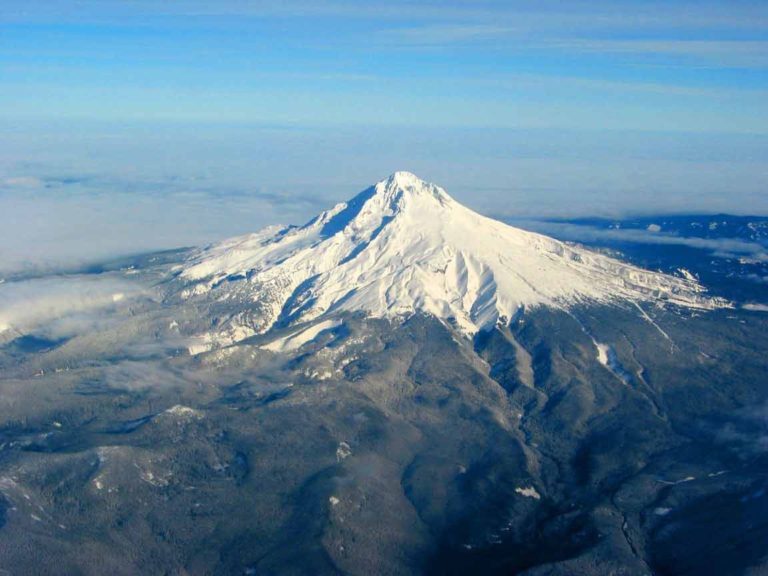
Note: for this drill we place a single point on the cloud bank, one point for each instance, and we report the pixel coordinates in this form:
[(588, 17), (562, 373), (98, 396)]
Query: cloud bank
[(721, 247), (75, 193), (40, 303)]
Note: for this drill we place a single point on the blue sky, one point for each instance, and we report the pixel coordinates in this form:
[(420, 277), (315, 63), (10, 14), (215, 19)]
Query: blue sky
[(183, 121), (592, 65)]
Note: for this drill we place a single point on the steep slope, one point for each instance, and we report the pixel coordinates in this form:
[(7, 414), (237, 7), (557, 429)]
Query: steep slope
[(405, 246)]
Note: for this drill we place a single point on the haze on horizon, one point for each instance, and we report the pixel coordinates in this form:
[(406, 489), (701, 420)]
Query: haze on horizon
[(143, 125)]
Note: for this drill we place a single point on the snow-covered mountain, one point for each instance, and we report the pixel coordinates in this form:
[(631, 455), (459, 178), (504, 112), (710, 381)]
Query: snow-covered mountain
[(405, 246)]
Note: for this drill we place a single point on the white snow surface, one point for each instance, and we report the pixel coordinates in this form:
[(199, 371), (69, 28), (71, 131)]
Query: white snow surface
[(405, 246), (297, 340), (529, 492), (602, 352)]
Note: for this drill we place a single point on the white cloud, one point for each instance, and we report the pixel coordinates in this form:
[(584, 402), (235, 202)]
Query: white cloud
[(728, 53), (439, 34), (723, 247), (30, 304), (20, 182)]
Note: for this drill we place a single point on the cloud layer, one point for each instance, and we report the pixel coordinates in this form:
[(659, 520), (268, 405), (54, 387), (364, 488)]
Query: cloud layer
[(76, 192)]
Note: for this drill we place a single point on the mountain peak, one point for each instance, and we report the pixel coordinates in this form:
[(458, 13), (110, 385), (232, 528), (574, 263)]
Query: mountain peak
[(403, 184), (409, 182), (404, 178), (403, 246)]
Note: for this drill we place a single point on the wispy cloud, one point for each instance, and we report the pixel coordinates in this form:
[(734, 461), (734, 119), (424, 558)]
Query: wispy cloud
[(105, 184), (728, 53), (722, 247), (593, 84), (143, 374), (757, 278), (441, 34), (112, 10), (532, 15), (20, 182)]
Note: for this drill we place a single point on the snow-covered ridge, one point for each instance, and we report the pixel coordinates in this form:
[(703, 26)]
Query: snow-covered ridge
[(405, 246), (298, 339)]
